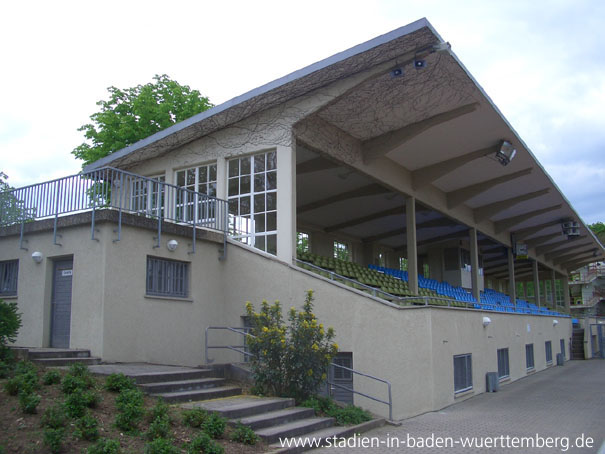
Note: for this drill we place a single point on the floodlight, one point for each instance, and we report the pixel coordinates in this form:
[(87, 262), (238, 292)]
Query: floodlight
[(506, 153)]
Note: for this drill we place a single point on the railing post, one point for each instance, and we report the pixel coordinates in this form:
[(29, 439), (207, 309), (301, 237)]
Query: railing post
[(121, 183), (94, 206)]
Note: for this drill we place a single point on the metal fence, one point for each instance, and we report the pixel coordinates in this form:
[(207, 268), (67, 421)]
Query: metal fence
[(114, 189)]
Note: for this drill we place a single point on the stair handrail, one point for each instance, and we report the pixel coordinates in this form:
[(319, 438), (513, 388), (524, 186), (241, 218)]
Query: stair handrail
[(244, 331)]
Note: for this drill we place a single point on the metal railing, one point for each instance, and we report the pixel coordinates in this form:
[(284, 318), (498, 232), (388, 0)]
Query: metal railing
[(113, 189), (241, 349)]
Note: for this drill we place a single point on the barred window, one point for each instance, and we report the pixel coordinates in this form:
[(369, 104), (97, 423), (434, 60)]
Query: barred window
[(463, 373), (9, 271), (529, 356), (341, 251), (167, 278), (503, 366), (548, 348)]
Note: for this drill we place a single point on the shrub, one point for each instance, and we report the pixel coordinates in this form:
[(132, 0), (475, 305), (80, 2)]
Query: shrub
[(54, 417), (25, 367), (10, 322), (52, 377), (28, 402), (214, 425), (72, 383), (321, 405), (204, 444), (289, 360), (86, 428), (161, 446), (349, 415), (244, 434), (119, 382), (5, 369), (104, 446), (159, 410), (75, 404), (12, 386), (53, 439), (194, 417), (130, 406), (159, 428), (91, 398), (25, 379), (79, 370)]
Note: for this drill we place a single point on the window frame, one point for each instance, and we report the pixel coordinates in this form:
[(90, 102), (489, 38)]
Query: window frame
[(163, 284), (530, 363), (342, 251), (144, 195), (503, 360), (562, 345), (548, 351), (9, 278), (466, 360), (205, 211)]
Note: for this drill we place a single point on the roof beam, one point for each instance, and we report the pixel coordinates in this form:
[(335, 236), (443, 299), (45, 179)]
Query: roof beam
[(315, 165), (368, 218), (459, 196), (574, 256), (491, 209), (507, 223), (533, 242), (379, 146), (529, 231), (426, 175), (549, 249), (372, 189), (439, 222), (571, 266), (450, 236)]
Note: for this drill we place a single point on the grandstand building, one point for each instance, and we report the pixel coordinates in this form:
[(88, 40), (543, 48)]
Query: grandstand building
[(382, 177)]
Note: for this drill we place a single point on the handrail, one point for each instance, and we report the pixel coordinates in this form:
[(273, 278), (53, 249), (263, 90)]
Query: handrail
[(245, 332)]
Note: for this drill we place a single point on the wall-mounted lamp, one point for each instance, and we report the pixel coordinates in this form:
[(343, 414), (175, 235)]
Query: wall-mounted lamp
[(397, 72), (486, 321), (37, 257), (555, 322), (172, 245), (419, 63), (570, 228), (506, 153)]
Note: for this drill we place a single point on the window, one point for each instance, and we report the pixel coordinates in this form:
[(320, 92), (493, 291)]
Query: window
[(529, 356), (167, 278), (403, 264), (562, 341), (253, 200), (341, 251), (345, 360), (147, 196), (9, 271), (548, 348), (503, 367), (426, 270), (463, 373), (302, 242), (201, 179)]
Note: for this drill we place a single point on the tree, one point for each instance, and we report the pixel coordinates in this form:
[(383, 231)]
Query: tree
[(598, 228), (12, 210), (135, 113)]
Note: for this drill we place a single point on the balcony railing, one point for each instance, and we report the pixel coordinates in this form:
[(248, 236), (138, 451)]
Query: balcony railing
[(113, 189)]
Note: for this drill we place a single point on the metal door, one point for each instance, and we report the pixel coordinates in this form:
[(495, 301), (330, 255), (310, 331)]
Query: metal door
[(342, 378), (601, 337), (61, 304)]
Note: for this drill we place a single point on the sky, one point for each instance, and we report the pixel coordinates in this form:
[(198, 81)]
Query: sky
[(541, 62)]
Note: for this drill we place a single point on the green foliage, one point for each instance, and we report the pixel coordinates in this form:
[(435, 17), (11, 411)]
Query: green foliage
[(12, 210), (28, 402), (203, 444), (77, 379), (194, 417), (349, 415), (135, 113), (598, 228), (105, 446), (6, 368), (214, 425), (10, 323), (119, 382), (159, 410), (244, 434), (130, 407), (54, 417), (161, 446), (24, 381), (293, 360), (53, 439), (52, 377), (12, 386), (75, 404), (159, 428), (87, 428)]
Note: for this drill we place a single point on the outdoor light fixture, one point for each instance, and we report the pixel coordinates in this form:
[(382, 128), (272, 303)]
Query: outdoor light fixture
[(486, 321), (419, 64), (397, 72), (506, 153), (570, 228), (172, 245), (555, 322), (37, 257)]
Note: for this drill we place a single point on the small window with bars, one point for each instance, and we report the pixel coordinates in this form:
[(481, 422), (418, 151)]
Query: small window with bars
[(302, 242), (345, 360), (9, 271), (529, 356), (503, 366), (548, 349), (463, 373), (168, 278), (341, 251)]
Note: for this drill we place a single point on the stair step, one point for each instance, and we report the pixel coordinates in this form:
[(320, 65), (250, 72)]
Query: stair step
[(273, 418), (58, 353), (244, 406), (200, 394), (181, 385), (168, 376), (294, 428), (57, 362)]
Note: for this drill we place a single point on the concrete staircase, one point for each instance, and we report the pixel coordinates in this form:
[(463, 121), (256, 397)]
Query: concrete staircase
[(55, 357), (577, 344)]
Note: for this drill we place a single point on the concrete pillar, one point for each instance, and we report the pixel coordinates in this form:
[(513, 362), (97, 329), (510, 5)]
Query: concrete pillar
[(410, 222), (566, 298), (512, 286), (474, 264), (286, 203), (221, 178), (536, 283), (553, 289)]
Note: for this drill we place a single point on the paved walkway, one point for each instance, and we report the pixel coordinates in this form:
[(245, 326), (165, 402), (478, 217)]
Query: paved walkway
[(564, 401)]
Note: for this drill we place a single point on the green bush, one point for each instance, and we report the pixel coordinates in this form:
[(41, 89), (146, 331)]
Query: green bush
[(105, 446), (12, 386), (79, 370), (54, 417), (28, 402), (321, 405), (10, 322), (194, 417), (53, 439), (214, 425), (203, 444), (75, 404), (159, 410), (52, 377), (91, 398), (72, 383), (119, 382), (161, 446), (130, 406), (6, 368), (349, 415), (25, 367), (86, 428), (244, 434), (24, 381), (159, 428), (290, 360)]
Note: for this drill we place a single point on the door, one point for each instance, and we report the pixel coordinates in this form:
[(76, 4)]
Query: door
[(342, 378), (61, 303)]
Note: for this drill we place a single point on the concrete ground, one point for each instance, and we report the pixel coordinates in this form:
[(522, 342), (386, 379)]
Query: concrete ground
[(566, 401)]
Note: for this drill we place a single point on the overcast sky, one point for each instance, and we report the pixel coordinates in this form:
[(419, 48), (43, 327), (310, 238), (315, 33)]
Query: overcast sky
[(541, 62)]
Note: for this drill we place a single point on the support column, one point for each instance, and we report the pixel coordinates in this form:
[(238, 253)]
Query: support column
[(221, 176), (566, 298), (474, 264), (512, 286), (412, 250), (536, 283), (286, 203), (553, 289)]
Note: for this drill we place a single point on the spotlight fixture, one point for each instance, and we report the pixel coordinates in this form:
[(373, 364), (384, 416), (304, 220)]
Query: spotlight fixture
[(37, 257), (172, 245), (570, 228), (486, 321), (419, 64), (506, 153), (555, 322), (397, 72)]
